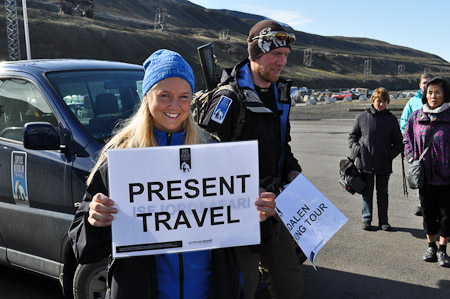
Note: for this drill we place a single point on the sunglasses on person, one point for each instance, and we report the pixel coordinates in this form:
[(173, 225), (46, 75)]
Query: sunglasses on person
[(280, 35)]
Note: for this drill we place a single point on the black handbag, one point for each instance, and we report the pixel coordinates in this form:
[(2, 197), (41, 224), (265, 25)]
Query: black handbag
[(415, 175), (350, 177)]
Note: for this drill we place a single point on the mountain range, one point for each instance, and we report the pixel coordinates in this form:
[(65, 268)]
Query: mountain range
[(123, 30)]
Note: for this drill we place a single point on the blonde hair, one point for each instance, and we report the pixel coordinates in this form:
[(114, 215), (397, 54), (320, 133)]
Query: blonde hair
[(380, 93), (137, 131)]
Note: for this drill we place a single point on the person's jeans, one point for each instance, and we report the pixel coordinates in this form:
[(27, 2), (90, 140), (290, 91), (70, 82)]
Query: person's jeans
[(381, 181)]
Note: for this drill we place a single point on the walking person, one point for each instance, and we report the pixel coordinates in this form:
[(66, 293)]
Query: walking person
[(375, 140), (163, 119), (412, 105), (261, 112), (431, 125)]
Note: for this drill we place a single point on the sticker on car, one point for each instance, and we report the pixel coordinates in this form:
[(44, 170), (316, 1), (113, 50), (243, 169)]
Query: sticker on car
[(19, 177)]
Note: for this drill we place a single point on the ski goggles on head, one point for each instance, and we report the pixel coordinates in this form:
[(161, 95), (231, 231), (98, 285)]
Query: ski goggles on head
[(280, 35)]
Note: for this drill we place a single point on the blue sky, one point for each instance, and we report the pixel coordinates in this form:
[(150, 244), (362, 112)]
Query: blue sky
[(421, 25)]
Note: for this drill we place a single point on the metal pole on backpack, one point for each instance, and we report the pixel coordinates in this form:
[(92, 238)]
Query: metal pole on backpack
[(208, 63)]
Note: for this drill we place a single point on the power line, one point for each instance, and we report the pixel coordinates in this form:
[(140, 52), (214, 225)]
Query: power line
[(349, 54)]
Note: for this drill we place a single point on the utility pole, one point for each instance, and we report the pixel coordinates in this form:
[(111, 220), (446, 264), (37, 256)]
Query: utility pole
[(12, 30), (25, 25)]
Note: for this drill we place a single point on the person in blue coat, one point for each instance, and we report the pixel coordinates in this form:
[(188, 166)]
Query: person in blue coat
[(163, 119), (415, 103)]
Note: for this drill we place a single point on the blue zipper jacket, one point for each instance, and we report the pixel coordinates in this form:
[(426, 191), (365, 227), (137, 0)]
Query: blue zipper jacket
[(178, 266), (245, 80), (414, 103)]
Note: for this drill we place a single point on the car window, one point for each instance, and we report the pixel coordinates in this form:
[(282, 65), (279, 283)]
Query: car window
[(21, 102), (99, 99)]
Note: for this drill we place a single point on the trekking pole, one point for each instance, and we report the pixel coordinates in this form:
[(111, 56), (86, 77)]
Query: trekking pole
[(405, 187)]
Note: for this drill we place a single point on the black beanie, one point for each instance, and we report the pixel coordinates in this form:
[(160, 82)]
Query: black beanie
[(264, 44)]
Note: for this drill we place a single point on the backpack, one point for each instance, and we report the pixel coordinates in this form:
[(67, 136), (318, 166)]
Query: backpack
[(201, 102), (350, 177)]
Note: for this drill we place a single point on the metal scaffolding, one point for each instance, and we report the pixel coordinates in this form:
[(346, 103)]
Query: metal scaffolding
[(367, 68), (223, 34), (160, 21), (401, 70), (307, 57), (12, 30)]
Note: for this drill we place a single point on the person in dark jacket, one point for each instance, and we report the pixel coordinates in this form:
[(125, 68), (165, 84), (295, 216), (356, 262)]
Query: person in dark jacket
[(433, 119), (375, 140), (260, 112), (163, 119)]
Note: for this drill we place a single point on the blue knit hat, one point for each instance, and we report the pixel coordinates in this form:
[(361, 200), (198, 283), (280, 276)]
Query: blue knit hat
[(163, 64)]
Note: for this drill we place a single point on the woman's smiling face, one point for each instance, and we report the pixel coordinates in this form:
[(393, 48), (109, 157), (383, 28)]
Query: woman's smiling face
[(169, 103)]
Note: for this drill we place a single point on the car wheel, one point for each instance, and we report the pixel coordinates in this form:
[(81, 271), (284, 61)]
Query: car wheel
[(89, 281)]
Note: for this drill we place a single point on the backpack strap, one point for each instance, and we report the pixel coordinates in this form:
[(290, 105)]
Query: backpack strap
[(240, 98)]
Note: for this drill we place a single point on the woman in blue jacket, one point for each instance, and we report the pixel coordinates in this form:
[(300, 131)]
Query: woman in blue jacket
[(375, 141), (163, 119)]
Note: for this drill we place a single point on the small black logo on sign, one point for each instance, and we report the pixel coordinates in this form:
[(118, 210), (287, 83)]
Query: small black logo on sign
[(185, 159)]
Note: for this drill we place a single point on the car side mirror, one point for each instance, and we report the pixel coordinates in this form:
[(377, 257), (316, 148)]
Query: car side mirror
[(40, 136)]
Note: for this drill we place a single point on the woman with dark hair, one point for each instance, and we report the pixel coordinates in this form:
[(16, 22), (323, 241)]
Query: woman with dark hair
[(432, 122)]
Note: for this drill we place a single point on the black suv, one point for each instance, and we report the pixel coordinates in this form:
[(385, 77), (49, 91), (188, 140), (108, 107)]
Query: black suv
[(55, 116)]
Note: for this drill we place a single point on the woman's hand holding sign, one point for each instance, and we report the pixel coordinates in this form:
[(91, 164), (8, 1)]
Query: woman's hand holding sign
[(101, 210), (266, 205)]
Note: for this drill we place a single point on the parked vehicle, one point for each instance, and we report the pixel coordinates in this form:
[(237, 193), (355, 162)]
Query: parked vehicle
[(355, 94), (294, 90), (342, 95), (361, 90), (297, 93), (55, 116), (303, 90)]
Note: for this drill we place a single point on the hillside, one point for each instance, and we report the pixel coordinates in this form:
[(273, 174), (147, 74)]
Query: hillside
[(123, 31)]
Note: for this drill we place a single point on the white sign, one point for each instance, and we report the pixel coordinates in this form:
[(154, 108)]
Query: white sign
[(309, 216), (184, 198)]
